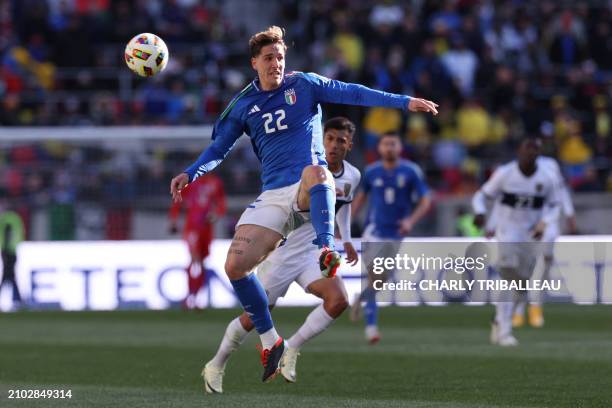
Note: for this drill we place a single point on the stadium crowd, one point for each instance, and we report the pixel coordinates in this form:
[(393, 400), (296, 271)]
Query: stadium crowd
[(499, 70)]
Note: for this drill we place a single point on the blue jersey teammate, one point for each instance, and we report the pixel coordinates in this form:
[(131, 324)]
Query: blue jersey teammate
[(391, 186), (281, 114)]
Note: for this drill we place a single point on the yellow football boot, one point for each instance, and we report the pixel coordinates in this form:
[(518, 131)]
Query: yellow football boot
[(518, 320), (536, 316)]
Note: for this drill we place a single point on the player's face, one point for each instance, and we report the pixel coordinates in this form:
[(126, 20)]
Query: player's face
[(528, 152), (390, 148), (270, 66), (337, 144)]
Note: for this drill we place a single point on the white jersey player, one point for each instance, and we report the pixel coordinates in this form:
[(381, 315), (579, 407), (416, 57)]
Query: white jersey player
[(293, 262), (526, 203), (552, 232)]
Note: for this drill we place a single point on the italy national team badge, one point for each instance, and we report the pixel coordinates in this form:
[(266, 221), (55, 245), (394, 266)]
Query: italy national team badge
[(290, 96)]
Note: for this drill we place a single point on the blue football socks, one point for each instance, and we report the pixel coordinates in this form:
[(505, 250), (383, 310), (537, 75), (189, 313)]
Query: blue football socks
[(370, 310), (323, 213), (254, 300)]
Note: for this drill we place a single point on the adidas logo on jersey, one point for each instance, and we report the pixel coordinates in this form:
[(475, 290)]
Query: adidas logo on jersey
[(254, 109)]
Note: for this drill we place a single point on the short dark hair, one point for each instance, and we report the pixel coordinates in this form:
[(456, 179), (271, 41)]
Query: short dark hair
[(390, 133), (531, 139), (271, 35), (339, 123)]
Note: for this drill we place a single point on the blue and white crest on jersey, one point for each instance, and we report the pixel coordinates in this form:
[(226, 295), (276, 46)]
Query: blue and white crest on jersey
[(290, 96)]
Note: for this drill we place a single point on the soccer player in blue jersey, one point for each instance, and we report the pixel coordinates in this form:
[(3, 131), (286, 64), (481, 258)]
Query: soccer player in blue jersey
[(391, 186), (281, 114)]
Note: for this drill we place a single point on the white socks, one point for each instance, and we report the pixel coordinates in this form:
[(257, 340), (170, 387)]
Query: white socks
[(519, 299), (317, 321), (232, 339), (503, 317), (269, 338)]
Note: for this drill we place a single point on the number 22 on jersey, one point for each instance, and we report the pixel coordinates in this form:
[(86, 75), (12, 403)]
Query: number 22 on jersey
[(270, 123)]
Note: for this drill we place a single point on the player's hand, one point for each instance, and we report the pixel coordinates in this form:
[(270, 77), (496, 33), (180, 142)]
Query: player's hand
[(479, 220), (176, 185), (489, 233), (538, 230), (406, 226), (173, 229), (351, 254), (572, 227), (422, 105)]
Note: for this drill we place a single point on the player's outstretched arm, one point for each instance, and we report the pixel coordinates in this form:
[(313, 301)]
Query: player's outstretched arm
[(333, 91), (225, 134), (177, 184), (422, 105)]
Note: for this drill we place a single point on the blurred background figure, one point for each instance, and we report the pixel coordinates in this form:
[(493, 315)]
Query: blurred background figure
[(204, 201), (12, 233), (397, 197)]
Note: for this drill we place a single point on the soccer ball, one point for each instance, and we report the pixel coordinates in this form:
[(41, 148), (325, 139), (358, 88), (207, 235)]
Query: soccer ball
[(146, 54)]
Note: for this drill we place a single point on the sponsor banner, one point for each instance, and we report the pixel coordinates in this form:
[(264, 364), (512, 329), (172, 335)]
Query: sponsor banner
[(105, 275)]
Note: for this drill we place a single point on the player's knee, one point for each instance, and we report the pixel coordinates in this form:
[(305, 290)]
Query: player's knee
[(246, 322), (235, 268), (335, 303), (312, 175)]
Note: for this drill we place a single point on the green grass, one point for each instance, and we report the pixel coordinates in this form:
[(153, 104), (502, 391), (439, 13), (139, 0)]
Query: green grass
[(429, 357)]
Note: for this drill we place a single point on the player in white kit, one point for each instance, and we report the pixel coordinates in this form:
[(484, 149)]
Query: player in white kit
[(293, 261), (535, 313), (526, 203)]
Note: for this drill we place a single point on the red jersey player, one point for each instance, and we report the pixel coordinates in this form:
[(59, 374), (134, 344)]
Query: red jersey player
[(204, 200)]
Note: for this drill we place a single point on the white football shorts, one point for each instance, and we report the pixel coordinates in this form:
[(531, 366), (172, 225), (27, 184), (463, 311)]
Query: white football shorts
[(517, 259), (276, 209)]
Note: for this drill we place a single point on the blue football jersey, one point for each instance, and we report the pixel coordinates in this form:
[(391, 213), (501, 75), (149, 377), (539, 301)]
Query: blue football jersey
[(284, 124), (391, 195)]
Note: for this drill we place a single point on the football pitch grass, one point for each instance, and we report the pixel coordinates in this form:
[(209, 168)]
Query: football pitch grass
[(428, 357)]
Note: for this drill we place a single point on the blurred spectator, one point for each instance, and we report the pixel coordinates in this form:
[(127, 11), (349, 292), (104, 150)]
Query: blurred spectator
[(473, 124), (349, 43), (461, 63), (568, 43), (576, 157), (447, 17), (61, 210)]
